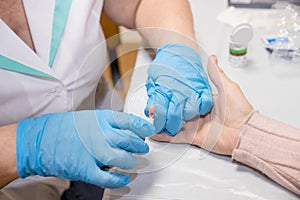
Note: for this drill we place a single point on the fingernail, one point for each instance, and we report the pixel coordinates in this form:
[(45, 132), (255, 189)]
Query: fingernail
[(127, 180)]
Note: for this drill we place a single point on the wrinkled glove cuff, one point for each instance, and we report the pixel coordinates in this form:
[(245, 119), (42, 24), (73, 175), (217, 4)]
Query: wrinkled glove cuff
[(27, 145), (185, 52)]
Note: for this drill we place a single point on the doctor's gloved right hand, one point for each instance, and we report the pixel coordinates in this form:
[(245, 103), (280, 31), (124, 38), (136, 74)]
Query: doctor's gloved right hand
[(74, 145)]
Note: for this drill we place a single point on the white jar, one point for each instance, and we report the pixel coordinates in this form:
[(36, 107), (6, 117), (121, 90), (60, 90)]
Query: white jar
[(237, 54)]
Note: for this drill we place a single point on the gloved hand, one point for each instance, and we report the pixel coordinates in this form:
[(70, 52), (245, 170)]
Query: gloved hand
[(74, 145), (178, 87)]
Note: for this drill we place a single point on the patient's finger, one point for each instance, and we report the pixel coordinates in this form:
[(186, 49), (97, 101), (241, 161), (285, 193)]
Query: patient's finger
[(162, 137), (178, 138), (151, 111), (216, 74)]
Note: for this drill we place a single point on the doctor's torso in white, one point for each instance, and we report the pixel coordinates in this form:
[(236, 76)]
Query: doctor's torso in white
[(63, 72)]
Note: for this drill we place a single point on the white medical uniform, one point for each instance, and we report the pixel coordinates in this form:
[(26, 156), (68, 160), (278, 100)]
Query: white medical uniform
[(60, 76)]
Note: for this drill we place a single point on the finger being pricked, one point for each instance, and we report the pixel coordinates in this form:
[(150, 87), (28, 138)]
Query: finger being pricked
[(190, 133)]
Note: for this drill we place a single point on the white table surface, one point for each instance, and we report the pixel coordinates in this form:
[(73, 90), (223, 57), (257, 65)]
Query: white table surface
[(172, 171)]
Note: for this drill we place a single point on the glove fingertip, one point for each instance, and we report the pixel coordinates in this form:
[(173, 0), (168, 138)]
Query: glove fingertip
[(126, 179), (146, 110), (174, 129), (160, 118), (145, 149), (170, 133), (118, 180), (107, 179), (205, 105), (148, 131), (141, 127)]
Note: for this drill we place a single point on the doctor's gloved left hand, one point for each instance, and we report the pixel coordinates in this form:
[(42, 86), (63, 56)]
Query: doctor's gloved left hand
[(177, 87), (74, 145)]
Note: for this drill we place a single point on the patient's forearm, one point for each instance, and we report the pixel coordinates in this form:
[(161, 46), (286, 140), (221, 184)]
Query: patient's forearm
[(8, 167), (272, 148)]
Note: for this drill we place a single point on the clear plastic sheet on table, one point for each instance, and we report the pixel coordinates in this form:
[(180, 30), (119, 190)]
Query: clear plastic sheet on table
[(283, 42)]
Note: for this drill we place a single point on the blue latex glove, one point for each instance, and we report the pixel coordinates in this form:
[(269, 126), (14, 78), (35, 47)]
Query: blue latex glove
[(178, 87), (74, 145)]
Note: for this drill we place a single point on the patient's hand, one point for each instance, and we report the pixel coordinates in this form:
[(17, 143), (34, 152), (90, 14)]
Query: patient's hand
[(219, 130)]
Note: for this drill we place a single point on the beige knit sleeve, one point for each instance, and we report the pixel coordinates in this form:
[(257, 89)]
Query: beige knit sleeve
[(271, 147)]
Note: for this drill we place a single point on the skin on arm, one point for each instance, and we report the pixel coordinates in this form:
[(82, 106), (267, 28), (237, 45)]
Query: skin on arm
[(8, 166), (13, 14), (159, 22)]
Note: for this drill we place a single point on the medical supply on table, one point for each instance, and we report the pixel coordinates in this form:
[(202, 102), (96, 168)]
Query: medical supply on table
[(258, 18), (178, 87), (257, 3), (239, 39), (281, 48), (75, 145), (284, 42)]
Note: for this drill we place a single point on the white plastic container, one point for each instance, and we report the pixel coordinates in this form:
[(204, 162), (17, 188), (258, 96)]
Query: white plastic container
[(239, 39)]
